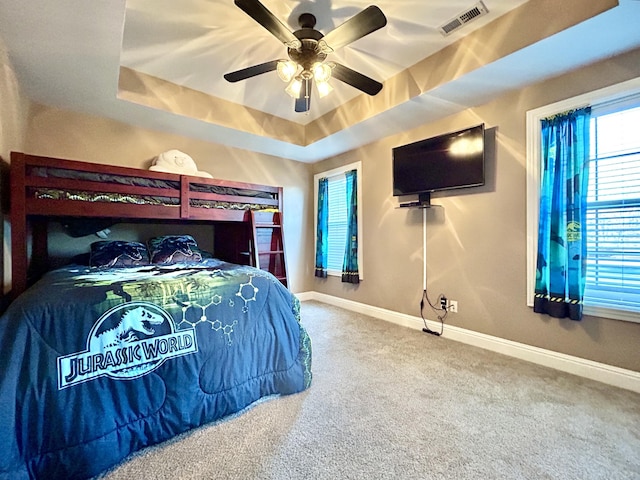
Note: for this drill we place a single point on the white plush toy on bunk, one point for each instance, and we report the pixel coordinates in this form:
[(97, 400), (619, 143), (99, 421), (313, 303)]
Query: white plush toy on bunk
[(175, 161)]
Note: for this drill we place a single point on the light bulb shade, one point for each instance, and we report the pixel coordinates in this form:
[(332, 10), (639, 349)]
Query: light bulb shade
[(321, 72), (286, 70), (293, 89), (324, 89)]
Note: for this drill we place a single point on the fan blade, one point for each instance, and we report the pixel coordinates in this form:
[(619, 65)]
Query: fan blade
[(303, 102), (361, 82), (367, 21), (251, 71), (268, 20)]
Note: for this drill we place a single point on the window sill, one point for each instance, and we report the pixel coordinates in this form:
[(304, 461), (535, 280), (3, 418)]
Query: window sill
[(337, 273), (612, 313)]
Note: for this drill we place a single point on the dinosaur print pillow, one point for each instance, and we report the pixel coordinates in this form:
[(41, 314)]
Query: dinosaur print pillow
[(174, 249), (118, 253)]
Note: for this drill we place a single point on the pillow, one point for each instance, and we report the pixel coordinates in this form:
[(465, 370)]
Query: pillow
[(175, 161), (174, 249), (118, 253)]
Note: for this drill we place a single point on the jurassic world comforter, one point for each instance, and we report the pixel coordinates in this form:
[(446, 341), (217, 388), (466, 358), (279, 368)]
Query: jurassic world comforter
[(96, 364)]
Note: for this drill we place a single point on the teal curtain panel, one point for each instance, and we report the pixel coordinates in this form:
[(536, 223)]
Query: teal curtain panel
[(350, 272), (561, 260), (322, 228)]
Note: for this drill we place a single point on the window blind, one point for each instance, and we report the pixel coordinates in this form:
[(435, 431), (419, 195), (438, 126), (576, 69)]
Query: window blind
[(613, 209), (337, 238)]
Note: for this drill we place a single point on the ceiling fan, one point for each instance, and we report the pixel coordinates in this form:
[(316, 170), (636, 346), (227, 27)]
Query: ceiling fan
[(308, 48)]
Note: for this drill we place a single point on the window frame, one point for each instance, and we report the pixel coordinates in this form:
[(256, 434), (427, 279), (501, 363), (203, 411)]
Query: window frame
[(533, 160), (330, 173)]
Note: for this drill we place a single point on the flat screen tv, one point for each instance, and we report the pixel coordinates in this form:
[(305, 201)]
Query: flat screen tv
[(445, 162)]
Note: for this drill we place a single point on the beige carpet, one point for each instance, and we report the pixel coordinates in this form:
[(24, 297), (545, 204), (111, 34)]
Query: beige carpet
[(389, 402)]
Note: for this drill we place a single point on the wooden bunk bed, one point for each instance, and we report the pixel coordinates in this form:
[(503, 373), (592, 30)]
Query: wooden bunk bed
[(247, 217), (102, 360)]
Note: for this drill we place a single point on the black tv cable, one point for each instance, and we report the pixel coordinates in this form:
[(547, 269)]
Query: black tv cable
[(426, 329)]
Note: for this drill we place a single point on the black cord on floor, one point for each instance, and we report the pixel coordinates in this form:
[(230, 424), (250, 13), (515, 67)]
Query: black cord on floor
[(441, 317)]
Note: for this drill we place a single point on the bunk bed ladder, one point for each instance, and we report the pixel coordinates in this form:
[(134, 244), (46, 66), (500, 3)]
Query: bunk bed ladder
[(268, 244)]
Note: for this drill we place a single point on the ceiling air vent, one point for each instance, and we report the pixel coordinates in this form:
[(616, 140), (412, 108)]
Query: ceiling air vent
[(460, 20)]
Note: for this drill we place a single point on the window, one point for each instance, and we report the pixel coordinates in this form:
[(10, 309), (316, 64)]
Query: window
[(337, 238), (613, 204), (613, 208)]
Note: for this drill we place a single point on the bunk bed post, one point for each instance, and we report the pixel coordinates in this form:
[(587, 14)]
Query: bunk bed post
[(18, 217), (184, 196), (40, 247), (280, 199)]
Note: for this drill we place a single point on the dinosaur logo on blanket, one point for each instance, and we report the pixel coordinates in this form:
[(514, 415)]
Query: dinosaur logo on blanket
[(128, 341)]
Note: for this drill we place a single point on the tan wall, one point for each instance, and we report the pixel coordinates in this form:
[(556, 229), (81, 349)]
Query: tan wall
[(14, 111), (57, 133), (14, 108), (476, 243)]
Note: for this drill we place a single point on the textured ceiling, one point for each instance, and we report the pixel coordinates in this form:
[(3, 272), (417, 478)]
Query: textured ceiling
[(194, 43), (159, 64)]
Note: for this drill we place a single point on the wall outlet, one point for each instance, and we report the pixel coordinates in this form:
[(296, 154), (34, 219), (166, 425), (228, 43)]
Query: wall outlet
[(453, 306), (444, 304)]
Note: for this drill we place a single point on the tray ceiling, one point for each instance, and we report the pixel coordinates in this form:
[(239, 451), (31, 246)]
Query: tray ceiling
[(160, 64)]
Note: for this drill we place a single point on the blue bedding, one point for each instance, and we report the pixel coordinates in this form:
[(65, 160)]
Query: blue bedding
[(98, 363)]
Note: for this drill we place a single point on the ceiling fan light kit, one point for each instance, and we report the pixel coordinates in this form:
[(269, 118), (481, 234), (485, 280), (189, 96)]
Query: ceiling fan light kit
[(321, 72), (293, 74), (293, 89), (324, 89), (307, 49), (286, 70)]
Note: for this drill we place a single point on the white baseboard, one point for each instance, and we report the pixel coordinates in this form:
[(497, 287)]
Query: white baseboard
[(615, 376)]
